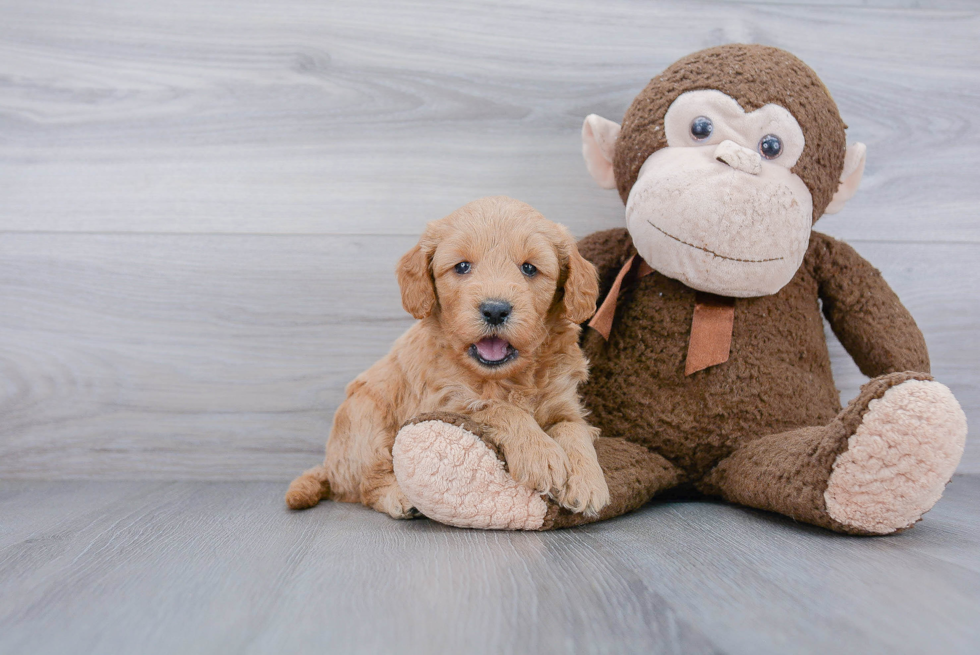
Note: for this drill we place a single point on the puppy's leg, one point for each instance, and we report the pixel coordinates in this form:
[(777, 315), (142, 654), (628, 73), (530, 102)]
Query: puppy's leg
[(358, 465), (382, 493), (586, 489), (359, 453), (534, 458)]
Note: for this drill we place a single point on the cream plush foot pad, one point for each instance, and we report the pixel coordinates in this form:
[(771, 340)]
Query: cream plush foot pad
[(451, 476), (899, 460)]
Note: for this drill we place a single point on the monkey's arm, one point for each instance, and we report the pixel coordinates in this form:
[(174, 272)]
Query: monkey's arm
[(608, 251), (865, 314)]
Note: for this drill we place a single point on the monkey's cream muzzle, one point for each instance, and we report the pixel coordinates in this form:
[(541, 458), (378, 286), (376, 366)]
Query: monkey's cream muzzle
[(716, 228), (712, 212)]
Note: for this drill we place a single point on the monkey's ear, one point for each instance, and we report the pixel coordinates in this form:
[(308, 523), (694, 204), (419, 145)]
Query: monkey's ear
[(581, 287), (415, 276), (851, 177), (598, 144)]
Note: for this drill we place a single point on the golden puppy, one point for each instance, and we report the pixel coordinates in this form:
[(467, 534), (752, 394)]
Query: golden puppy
[(499, 291)]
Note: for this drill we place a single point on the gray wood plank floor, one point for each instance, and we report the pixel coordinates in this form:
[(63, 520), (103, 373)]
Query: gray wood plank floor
[(197, 567)]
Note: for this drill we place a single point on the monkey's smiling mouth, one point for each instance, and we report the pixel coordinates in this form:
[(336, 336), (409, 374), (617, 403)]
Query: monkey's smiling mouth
[(492, 351), (712, 252)]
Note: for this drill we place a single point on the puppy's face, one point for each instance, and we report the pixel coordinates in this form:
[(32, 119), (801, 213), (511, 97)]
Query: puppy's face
[(495, 286), (497, 275)]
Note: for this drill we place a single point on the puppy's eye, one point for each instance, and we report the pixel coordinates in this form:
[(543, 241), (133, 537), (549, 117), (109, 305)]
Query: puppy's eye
[(701, 128), (462, 268), (529, 269), (770, 146)]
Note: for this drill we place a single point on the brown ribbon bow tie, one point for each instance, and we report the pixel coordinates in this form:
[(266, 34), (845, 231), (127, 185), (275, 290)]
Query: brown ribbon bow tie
[(711, 327)]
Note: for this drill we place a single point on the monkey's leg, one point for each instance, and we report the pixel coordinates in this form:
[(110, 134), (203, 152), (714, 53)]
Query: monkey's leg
[(452, 476), (875, 469), (634, 475)]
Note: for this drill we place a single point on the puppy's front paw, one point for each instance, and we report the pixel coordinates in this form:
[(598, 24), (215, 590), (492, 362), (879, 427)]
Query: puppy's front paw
[(586, 490), (394, 503), (539, 464)]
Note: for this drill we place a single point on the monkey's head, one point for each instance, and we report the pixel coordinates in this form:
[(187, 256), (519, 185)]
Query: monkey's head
[(725, 160)]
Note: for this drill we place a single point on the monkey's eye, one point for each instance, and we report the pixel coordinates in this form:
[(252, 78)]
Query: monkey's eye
[(701, 128), (529, 270), (770, 146), (462, 268)]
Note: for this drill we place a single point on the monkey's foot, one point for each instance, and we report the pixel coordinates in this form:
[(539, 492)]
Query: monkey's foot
[(452, 476), (899, 459)]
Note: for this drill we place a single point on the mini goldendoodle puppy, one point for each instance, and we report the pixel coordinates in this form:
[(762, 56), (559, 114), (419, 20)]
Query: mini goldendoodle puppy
[(500, 292)]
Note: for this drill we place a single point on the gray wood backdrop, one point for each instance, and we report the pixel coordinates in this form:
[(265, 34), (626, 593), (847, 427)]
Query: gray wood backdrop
[(202, 202)]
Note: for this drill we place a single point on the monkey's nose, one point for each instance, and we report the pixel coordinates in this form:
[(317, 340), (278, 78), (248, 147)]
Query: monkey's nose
[(495, 312), (739, 157)]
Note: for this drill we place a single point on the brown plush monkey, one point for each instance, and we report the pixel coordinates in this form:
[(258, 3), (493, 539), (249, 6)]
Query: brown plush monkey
[(710, 369)]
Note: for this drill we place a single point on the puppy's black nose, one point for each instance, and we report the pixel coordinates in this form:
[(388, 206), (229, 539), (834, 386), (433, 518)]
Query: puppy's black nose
[(495, 312)]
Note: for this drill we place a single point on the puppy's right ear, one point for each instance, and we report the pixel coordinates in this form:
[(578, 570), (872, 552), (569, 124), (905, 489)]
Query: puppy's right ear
[(415, 276)]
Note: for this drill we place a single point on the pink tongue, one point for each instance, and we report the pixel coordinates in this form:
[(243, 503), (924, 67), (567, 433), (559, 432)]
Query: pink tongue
[(492, 349)]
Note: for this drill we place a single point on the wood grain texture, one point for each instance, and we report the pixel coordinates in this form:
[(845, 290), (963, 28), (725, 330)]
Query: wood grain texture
[(201, 203), (374, 117), (224, 357), (196, 567)]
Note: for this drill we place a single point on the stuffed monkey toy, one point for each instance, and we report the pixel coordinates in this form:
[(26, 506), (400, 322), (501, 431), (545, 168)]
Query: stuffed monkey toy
[(709, 367)]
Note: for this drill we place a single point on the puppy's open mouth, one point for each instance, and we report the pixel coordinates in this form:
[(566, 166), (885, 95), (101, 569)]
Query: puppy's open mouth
[(492, 351)]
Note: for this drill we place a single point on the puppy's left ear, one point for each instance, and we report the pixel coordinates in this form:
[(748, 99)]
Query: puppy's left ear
[(581, 285), (415, 276)]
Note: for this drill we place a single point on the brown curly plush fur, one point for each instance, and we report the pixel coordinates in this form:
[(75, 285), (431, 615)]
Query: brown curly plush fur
[(765, 428), (777, 380)]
